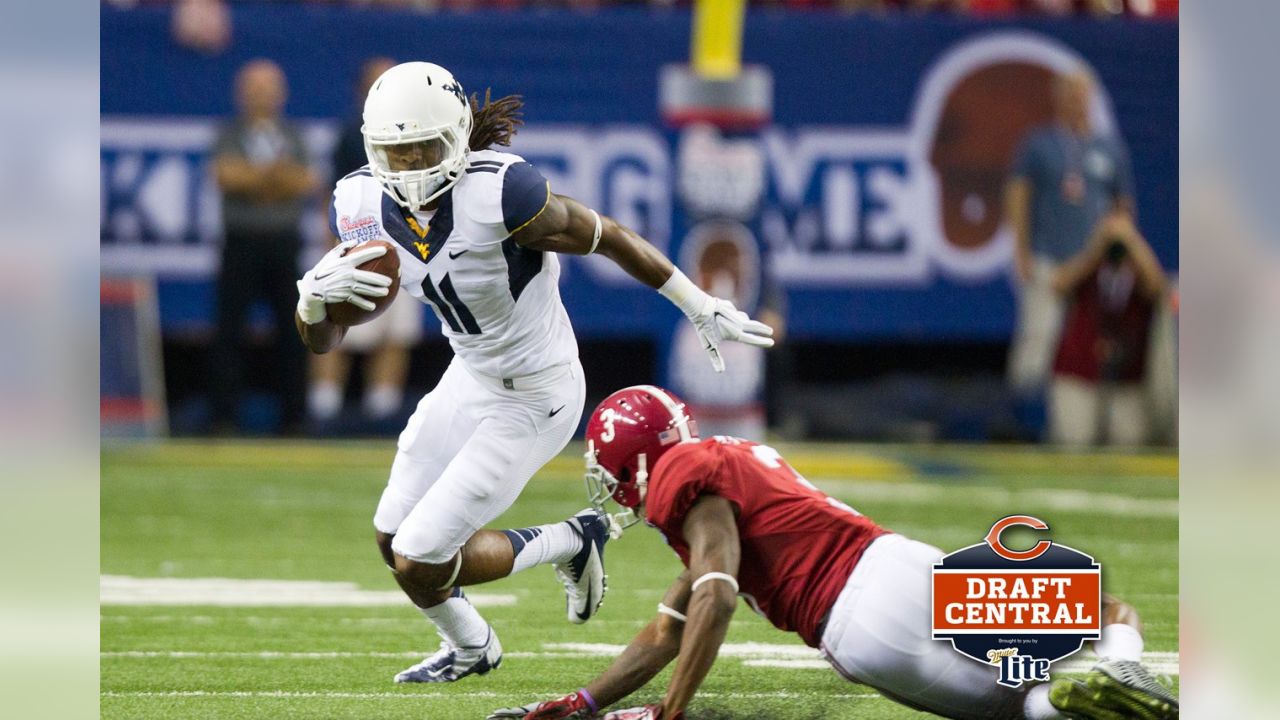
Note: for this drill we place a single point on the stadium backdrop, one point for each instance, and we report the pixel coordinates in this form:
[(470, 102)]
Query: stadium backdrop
[(878, 176)]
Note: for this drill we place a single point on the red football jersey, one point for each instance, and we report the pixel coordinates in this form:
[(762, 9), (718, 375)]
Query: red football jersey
[(798, 545)]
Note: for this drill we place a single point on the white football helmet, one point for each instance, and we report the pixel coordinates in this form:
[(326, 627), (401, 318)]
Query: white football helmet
[(417, 123)]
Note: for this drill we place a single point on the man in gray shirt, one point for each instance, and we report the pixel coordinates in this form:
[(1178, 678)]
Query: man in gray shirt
[(260, 166), (1067, 177)]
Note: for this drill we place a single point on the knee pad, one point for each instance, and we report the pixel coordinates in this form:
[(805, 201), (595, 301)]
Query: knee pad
[(424, 547)]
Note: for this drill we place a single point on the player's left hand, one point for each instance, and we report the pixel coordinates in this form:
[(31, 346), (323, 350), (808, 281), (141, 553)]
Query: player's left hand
[(648, 712), (718, 320)]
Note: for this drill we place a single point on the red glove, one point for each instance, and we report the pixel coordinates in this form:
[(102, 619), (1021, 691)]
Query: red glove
[(570, 707)]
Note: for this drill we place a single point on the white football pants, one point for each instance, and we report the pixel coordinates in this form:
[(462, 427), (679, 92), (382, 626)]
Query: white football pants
[(467, 452), (879, 634)]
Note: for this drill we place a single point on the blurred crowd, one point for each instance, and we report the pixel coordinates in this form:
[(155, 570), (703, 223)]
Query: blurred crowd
[(1096, 8)]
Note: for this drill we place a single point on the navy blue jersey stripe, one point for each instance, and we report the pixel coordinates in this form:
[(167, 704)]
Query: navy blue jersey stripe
[(430, 291), (358, 172), (493, 170), (395, 224), (333, 217), (468, 320), (523, 264), (524, 194), (498, 163)]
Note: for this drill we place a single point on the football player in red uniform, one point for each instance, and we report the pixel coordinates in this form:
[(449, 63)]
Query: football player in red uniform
[(746, 524)]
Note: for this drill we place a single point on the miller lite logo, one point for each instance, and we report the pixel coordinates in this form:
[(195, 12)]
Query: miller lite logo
[(1021, 610)]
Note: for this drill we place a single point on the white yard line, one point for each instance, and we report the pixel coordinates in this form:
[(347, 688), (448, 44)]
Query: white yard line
[(229, 592), (1059, 500), (767, 651), (790, 657)]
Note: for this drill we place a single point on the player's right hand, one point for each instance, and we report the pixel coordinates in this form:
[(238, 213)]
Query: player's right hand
[(574, 706), (335, 279)]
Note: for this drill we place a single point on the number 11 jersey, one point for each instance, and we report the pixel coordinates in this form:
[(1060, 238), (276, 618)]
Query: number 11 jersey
[(498, 303)]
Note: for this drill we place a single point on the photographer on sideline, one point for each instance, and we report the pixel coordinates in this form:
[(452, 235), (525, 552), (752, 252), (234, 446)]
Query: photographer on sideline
[(1112, 288)]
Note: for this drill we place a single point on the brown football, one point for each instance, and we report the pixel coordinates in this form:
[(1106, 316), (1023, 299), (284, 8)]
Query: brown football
[(346, 314)]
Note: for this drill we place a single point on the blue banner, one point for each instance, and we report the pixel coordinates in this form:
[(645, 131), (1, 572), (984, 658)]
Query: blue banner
[(868, 225)]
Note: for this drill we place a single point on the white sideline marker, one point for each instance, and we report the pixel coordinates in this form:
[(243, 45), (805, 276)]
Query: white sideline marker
[(229, 592)]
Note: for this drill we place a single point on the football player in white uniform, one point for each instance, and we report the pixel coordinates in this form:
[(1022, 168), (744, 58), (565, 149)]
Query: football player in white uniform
[(478, 232)]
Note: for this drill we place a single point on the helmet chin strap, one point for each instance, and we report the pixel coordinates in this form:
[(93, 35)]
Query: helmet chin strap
[(642, 476)]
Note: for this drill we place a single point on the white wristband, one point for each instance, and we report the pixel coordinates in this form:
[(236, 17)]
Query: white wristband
[(716, 576), (681, 291), (672, 612), (310, 308), (595, 240)]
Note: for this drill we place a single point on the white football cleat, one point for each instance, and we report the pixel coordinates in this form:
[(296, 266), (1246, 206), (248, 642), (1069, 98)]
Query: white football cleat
[(585, 582), (451, 664)]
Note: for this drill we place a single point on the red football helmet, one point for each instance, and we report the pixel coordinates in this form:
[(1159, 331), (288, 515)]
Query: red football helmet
[(626, 435)]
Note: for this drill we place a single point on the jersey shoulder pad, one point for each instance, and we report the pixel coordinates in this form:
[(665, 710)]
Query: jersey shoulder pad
[(685, 473), (501, 193), (355, 210)]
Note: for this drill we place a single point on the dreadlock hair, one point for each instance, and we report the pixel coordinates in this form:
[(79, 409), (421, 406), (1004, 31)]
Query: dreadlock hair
[(495, 122)]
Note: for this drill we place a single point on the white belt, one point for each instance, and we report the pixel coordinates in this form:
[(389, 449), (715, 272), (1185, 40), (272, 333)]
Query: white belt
[(533, 381)]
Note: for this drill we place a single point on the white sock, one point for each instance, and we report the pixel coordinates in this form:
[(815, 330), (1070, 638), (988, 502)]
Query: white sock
[(458, 622), (1036, 706), (382, 400), (324, 400), (553, 543), (1120, 642)]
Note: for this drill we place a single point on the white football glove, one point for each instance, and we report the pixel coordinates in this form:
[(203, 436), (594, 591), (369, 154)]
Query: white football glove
[(716, 319), (648, 712), (335, 279), (513, 713), (721, 321)]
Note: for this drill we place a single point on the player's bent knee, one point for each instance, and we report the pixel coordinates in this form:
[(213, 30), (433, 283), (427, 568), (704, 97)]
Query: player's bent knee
[(423, 547), (427, 576), (384, 547)]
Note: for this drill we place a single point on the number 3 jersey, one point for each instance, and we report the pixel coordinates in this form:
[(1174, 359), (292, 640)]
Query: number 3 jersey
[(798, 545), (498, 303)]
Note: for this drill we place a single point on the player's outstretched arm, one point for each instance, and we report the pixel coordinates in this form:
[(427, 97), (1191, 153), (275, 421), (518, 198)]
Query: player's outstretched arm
[(567, 226), (714, 553), (649, 652)]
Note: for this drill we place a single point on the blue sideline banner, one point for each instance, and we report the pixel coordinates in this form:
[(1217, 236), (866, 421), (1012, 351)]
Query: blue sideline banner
[(880, 212)]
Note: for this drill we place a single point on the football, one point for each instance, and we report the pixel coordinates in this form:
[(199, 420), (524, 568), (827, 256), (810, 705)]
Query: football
[(346, 314)]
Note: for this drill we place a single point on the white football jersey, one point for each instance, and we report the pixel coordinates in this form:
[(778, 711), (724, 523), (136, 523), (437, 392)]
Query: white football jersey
[(498, 303)]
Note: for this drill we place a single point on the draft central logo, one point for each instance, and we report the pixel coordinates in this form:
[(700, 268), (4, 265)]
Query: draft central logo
[(1021, 610)]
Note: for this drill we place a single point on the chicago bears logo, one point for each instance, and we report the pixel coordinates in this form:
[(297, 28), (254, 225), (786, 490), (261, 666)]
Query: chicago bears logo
[(1020, 610)]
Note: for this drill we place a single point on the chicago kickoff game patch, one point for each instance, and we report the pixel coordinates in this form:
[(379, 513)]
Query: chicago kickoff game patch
[(1020, 610)]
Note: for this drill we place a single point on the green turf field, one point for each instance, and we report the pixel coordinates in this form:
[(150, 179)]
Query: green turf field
[(301, 512)]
